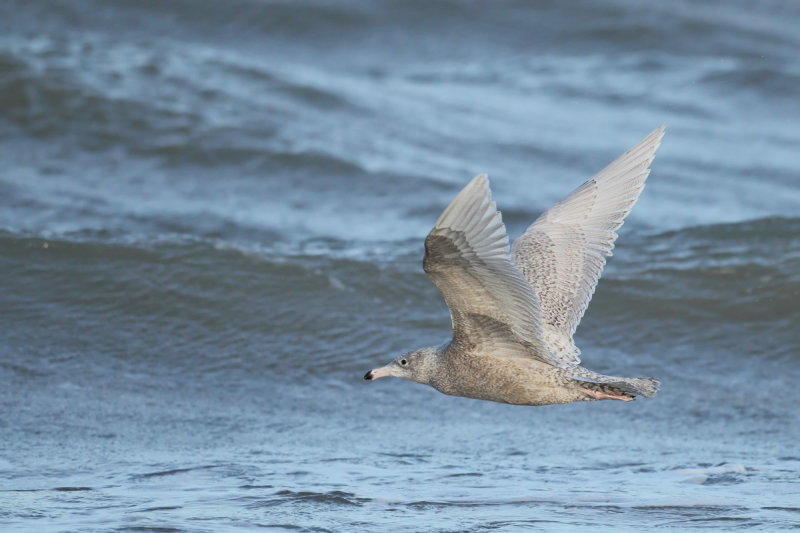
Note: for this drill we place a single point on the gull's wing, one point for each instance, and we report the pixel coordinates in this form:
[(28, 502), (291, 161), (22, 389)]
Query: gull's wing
[(467, 257), (563, 252)]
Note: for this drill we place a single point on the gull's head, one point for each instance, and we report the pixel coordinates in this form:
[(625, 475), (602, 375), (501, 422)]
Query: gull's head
[(415, 365)]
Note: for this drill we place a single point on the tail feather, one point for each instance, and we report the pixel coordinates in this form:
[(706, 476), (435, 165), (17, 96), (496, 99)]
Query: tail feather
[(646, 387)]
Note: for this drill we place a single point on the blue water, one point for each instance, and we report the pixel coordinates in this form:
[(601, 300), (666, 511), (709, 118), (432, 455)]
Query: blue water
[(211, 225)]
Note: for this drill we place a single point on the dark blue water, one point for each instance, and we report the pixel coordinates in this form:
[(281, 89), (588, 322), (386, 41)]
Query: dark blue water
[(211, 225)]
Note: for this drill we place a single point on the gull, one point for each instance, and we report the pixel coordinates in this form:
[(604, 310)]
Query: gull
[(514, 310)]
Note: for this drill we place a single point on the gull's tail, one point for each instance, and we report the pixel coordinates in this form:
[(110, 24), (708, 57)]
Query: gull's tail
[(646, 387)]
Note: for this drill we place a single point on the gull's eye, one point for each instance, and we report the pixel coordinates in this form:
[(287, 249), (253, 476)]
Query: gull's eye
[(404, 362)]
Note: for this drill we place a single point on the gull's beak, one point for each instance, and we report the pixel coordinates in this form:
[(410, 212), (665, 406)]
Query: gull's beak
[(381, 372)]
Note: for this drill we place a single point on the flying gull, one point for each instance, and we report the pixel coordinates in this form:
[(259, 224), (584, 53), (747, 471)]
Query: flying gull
[(514, 312)]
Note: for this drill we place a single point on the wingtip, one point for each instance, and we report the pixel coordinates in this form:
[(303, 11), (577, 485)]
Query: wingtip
[(479, 181), (476, 188), (483, 177), (657, 134)]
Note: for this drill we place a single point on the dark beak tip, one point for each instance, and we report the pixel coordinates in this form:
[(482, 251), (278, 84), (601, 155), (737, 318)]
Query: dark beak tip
[(368, 375)]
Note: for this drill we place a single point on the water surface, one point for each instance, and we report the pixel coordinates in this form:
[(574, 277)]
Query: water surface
[(212, 224)]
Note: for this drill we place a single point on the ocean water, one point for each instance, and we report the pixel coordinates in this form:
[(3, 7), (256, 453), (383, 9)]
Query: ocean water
[(211, 225)]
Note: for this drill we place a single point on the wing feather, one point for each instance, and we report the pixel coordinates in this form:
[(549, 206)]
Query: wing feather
[(562, 254), (467, 256)]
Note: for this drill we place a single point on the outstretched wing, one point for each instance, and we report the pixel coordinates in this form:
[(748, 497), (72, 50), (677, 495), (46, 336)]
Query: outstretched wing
[(467, 257), (564, 251)]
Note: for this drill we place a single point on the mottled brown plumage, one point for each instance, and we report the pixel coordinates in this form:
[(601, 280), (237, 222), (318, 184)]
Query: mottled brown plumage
[(514, 312)]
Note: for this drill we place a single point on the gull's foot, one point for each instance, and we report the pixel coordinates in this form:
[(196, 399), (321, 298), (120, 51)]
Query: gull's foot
[(603, 395)]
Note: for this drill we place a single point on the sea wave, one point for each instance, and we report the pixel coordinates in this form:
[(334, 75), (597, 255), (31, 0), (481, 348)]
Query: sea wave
[(212, 226), (733, 285)]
